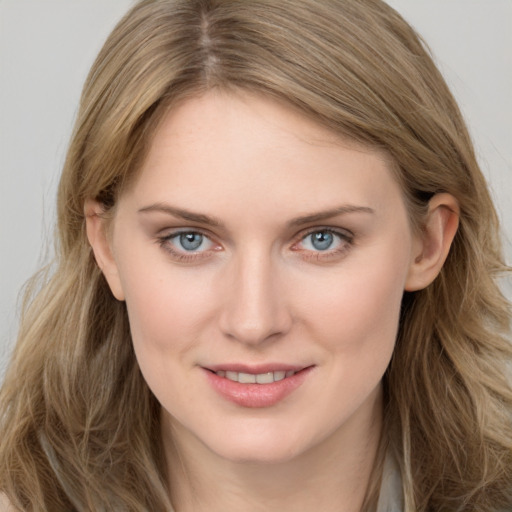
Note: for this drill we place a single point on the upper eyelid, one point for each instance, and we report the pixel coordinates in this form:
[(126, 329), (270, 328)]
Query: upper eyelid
[(343, 232), (172, 232), (176, 233), (164, 227)]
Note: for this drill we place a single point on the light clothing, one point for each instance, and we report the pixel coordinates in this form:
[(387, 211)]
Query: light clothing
[(391, 496)]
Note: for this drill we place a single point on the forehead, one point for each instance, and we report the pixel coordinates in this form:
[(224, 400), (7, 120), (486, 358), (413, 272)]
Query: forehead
[(246, 149)]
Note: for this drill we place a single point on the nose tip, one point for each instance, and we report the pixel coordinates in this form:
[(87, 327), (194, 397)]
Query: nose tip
[(252, 334), (254, 310)]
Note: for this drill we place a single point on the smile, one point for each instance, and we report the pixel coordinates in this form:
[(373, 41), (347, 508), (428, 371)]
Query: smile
[(256, 387), (259, 378)]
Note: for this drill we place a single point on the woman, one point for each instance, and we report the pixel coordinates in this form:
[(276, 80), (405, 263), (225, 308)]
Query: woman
[(276, 278)]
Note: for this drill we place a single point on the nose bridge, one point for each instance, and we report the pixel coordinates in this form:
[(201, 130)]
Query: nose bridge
[(254, 309)]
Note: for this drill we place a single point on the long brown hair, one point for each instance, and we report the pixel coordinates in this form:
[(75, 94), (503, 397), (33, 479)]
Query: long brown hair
[(79, 427)]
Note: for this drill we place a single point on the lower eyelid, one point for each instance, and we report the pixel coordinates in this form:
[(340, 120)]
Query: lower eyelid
[(317, 256), (182, 255), (326, 256)]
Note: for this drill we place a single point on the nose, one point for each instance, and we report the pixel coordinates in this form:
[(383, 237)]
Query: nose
[(254, 308)]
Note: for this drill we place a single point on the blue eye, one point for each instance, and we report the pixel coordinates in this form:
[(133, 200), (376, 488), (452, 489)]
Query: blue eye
[(325, 240), (190, 241), (321, 240), (188, 246)]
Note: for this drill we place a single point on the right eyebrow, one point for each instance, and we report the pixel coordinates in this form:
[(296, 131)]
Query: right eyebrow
[(181, 213), (328, 214)]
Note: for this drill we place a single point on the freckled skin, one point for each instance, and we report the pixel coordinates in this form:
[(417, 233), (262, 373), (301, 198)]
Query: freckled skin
[(258, 291)]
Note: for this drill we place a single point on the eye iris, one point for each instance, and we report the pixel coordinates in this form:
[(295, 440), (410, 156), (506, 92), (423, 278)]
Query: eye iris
[(322, 240), (191, 241)]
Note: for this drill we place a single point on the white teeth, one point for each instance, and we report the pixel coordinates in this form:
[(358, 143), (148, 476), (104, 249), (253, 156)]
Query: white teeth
[(265, 378), (232, 376), (246, 378), (260, 378), (281, 375)]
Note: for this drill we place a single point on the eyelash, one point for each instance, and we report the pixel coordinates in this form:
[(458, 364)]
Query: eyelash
[(165, 243), (346, 239)]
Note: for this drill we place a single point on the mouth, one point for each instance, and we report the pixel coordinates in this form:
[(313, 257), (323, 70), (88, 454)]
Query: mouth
[(255, 378), (262, 386)]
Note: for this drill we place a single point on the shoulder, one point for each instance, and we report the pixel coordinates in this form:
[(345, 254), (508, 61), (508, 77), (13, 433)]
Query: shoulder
[(5, 504)]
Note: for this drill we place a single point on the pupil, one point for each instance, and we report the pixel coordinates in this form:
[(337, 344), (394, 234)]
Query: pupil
[(191, 241), (322, 240)]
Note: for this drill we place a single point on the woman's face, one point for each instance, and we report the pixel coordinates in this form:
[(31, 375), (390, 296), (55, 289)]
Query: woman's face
[(263, 262)]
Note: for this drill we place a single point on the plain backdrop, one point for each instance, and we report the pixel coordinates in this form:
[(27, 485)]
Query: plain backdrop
[(47, 46)]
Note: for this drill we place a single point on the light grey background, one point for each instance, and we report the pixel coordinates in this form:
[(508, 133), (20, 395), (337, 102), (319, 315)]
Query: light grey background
[(47, 46)]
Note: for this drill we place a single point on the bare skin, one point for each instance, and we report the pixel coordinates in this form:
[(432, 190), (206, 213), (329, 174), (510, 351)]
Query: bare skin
[(320, 479), (255, 241)]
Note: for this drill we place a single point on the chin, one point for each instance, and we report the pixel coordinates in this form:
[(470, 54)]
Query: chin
[(259, 447), (252, 455)]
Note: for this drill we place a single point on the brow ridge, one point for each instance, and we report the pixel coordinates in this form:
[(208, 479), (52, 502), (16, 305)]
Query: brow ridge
[(327, 214), (212, 221), (182, 214)]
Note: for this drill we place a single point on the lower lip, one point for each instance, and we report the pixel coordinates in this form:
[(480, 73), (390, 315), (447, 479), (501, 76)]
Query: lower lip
[(256, 395)]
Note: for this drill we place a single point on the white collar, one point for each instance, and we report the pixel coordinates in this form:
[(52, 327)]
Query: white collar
[(390, 496)]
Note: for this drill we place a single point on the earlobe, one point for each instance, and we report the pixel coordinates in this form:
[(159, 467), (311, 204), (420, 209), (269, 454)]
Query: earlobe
[(433, 244), (97, 234)]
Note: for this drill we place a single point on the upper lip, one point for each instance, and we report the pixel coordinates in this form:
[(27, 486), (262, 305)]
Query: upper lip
[(255, 369)]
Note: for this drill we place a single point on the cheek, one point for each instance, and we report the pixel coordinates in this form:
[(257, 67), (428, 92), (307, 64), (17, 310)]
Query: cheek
[(167, 313), (167, 306), (355, 323), (356, 308)]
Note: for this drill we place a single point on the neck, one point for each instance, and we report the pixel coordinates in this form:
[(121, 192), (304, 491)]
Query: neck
[(332, 476)]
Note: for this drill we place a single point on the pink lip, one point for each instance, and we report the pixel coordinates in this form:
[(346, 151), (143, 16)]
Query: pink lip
[(254, 369), (256, 395)]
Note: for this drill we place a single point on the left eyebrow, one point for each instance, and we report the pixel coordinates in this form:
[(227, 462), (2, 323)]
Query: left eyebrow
[(182, 214), (327, 214)]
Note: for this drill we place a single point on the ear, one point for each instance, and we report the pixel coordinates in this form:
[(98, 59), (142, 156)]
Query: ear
[(98, 236), (432, 245)]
